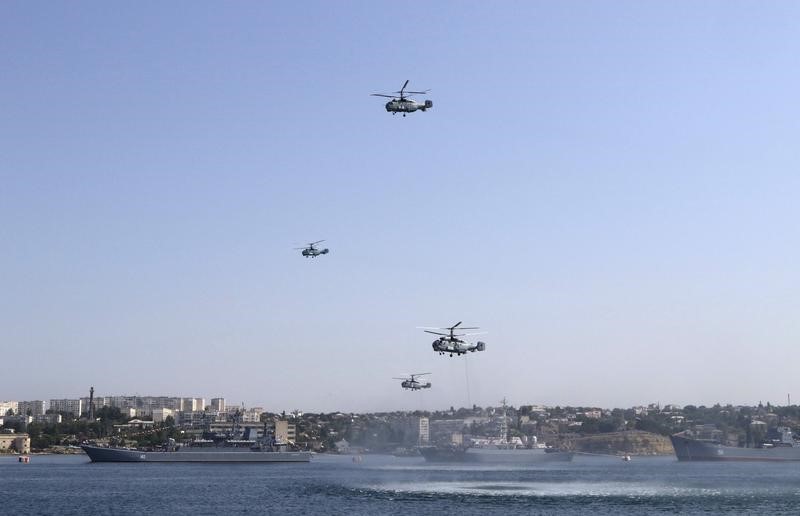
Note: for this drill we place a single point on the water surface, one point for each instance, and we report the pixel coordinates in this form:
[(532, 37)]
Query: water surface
[(71, 485)]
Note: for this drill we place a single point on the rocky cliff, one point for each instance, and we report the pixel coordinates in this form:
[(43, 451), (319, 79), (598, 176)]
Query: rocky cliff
[(633, 442)]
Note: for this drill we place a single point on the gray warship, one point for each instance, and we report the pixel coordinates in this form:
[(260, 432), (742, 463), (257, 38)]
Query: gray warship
[(688, 448), (244, 448), (496, 450), (495, 453)]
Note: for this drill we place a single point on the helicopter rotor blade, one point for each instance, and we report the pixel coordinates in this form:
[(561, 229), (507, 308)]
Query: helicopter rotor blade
[(437, 333), (417, 92), (382, 95), (317, 242), (404, 86)]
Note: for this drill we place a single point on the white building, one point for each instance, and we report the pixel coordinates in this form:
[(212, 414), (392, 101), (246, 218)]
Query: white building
[(424, 431), (5, 406), (66, 406), (218, 404), (252, 415), (161, 414)]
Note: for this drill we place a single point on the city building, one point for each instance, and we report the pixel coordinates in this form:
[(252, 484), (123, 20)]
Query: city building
[(161, 414), (424, 431), (31, 408), (5, 406), (18, 420), (66, 406), (218, 404), (192, 418), (47, 419), (252, 415), (284, 431)]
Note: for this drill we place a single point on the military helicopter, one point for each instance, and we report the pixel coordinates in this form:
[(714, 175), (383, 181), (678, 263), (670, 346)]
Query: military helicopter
[(403, 104), (412, 383), (451, 343), (310, 251)]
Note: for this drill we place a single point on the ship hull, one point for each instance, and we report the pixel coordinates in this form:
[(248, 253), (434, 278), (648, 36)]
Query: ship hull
[(687, 449), (228, 455), (494, 456), (518, 456)]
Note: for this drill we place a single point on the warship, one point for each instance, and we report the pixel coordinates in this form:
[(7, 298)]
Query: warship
[(495, 453), (496, 450), (245, 448), (689, 448)]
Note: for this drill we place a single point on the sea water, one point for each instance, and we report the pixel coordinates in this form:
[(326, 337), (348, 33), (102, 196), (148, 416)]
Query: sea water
[(389, 485)]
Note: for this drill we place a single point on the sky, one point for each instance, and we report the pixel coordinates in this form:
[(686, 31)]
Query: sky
[(609, 189)]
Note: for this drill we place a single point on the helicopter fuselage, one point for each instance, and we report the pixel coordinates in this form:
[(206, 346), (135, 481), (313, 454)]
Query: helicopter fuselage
[(407, 106), (453, 346), (415, 385), (313, 253)]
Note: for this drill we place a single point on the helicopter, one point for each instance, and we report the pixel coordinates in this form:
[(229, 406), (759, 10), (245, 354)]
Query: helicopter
[(310, 251), (403, 104), (412, 383), (450, 342)]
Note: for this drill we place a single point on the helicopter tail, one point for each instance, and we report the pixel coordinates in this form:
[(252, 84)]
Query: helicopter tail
[(481, 346), (428, 104)]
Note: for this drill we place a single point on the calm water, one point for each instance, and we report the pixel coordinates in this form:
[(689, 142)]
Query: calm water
[(388, 485)]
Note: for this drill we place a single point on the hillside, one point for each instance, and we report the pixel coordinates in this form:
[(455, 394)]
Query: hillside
[(632, 442)]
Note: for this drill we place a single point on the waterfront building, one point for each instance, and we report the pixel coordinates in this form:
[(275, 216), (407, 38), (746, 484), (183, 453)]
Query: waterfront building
[(11, 442), (67, 406), (424, 431), (285, 431)]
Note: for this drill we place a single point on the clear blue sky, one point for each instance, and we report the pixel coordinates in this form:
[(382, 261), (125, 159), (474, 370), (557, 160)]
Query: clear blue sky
[(609, 188)]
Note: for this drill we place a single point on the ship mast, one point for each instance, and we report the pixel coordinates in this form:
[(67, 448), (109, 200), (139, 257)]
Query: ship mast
[(504, 423)]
